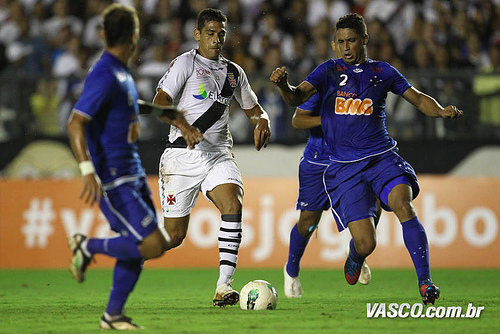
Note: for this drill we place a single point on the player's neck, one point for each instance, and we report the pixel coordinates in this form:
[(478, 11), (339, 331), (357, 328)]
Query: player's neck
[(122, 52)]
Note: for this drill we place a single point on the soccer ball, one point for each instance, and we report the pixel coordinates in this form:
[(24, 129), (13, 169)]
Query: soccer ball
[(258, 295)]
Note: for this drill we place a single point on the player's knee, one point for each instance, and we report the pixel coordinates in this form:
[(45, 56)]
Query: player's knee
[(176, 238), (152, 246), (365, 246), (232, 207), (403, 209), (306, 228)]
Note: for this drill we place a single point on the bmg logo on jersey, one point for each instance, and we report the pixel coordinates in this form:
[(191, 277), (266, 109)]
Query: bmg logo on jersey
[(352, 106)]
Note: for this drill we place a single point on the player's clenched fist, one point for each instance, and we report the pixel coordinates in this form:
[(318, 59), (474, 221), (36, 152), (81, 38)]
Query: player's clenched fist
[(279, 77), (451, 112)]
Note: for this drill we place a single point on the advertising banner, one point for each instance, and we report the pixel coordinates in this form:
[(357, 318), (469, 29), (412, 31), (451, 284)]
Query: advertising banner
[(461, 216)]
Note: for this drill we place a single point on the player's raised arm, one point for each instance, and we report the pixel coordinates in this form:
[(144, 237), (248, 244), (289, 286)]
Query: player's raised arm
[(262, 131), (429, 106), (293, 95), (191, 135), (92, 191), (302, 119)]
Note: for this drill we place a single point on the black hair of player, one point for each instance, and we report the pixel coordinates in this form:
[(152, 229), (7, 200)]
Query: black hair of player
[(210, 14), (352, 21), (120, 23)]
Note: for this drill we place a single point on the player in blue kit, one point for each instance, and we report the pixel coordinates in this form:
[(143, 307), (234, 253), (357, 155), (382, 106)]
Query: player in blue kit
[(103, 131), (364, 161), (313, 198)]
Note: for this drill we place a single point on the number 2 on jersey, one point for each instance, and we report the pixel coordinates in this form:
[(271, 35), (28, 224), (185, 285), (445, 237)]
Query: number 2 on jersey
[(344, 80)]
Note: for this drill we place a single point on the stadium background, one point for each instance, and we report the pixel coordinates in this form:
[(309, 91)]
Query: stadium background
[(449, 49)]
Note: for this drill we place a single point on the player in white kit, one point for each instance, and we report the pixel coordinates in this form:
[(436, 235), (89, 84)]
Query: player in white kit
[(202, 83)]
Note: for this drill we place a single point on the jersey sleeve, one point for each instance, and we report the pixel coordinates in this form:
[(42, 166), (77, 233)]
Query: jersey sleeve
[(317, 77), (243, 93), (399, 82), (176, 76), (311, 105), (96, 91)]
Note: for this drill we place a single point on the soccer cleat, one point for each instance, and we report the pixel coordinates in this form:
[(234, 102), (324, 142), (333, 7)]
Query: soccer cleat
[(293, 289), (365, 275), (79, 261), (429, 292), (121, 324), (352, 271), (226, 295)]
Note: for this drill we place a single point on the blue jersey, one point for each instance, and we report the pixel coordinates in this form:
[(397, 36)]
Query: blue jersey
[(315, 144), (353, 103), (109, 99)]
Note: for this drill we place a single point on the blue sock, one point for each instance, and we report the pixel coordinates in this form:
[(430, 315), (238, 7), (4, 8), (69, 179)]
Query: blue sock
[(353, 254), (295, 251), (125, 276), (120, 248), (416, 243)]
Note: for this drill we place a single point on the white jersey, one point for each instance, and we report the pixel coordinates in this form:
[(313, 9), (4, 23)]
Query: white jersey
[(203, 89)]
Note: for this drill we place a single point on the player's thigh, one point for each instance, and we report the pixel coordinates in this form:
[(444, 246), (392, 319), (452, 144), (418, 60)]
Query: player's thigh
[(223, 185), (363, 234), (176, 229), (129, 210), (388, 171), (356, 202), (312, 192), (227, 197), (182, 172)]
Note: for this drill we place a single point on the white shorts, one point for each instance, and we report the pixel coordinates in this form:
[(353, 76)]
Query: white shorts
[(184, 173)]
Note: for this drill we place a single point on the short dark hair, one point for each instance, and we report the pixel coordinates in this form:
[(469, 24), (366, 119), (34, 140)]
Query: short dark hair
[(352, 21), (210, 14), (119, 24)]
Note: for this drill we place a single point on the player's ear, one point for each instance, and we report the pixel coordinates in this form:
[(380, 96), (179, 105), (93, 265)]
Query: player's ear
[(365, 39), (197, 35)]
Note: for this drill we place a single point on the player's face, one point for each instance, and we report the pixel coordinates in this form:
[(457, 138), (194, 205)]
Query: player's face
[(350, 46), (211, 39)]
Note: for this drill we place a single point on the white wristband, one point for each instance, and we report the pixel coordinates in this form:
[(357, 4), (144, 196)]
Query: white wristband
[(86, 167)]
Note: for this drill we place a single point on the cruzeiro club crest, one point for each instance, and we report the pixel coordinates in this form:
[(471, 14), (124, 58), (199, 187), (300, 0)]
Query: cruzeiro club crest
[(203, 93), (252, 297)]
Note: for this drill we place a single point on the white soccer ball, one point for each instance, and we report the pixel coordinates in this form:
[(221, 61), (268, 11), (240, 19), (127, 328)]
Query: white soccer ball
[(258, 295)]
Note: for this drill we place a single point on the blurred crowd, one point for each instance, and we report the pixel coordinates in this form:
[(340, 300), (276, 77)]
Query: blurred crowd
[(46, 47)]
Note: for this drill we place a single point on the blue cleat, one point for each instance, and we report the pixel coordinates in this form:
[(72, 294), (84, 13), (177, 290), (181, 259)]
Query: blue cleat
[(429, 292), (352, 271)]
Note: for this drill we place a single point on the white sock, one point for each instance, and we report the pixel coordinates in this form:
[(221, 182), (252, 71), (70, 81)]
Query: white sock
[(229, 243)]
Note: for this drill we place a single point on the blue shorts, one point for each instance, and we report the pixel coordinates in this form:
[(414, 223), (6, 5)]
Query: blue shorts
[(130, 210), (354, 187), (312, 193)]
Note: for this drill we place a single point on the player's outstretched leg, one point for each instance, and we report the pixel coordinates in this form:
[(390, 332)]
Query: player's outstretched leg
[(365, 275), (80, 258), (298, 244), (416, 242), (229, 243), (125, 277)]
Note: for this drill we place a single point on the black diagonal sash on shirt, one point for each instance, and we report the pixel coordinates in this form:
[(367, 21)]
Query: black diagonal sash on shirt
[(216, 110)]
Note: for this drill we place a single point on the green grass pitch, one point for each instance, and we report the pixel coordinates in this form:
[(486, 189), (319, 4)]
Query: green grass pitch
[(179, 301)]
